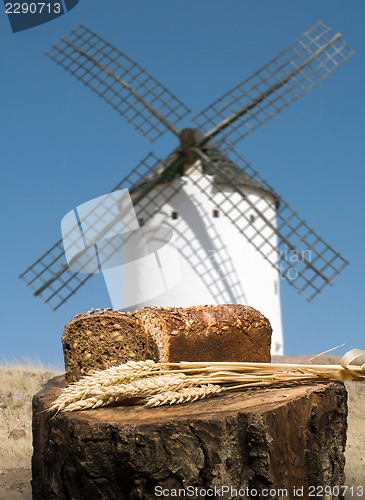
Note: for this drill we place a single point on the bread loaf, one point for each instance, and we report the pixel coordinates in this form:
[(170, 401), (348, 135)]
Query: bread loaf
[(229, 332), (102, 338)]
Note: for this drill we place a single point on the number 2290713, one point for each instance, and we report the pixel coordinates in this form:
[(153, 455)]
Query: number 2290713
[(32, 8)]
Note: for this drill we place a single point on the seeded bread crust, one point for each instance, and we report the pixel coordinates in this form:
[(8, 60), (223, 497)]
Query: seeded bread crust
[(229, 332), (102, 338)]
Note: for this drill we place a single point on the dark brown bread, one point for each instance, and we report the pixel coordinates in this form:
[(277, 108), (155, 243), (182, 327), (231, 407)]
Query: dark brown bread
[(102, 338), (229, 332)]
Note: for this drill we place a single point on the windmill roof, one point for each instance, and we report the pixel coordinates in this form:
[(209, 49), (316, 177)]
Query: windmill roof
[(232, 174)]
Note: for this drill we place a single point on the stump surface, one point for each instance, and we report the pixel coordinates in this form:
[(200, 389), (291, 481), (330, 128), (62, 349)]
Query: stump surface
[(281, 438)]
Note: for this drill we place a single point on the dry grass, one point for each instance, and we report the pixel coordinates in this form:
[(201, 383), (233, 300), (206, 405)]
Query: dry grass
[(19, 382), (355, 454)]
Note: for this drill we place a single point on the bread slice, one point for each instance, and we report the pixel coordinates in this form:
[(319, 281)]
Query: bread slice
[(229, 332), (102, 338)]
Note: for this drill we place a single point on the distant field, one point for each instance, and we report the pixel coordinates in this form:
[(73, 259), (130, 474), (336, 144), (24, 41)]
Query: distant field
[(19, 383)]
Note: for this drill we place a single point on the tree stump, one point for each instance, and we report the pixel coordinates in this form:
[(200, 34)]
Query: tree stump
[(260, 443)]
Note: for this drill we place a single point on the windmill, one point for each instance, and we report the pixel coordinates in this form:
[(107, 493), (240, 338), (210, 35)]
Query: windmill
[(237, 237)]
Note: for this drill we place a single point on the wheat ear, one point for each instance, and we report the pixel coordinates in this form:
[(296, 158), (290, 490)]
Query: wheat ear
[(184, 395), (88, 385), (139, 388)]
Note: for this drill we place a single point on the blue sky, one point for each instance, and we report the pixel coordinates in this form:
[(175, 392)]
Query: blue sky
[(62, 146)]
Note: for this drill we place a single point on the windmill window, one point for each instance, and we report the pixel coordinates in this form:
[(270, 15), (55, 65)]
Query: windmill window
[(174, 215), (215, 213), (140, 221)]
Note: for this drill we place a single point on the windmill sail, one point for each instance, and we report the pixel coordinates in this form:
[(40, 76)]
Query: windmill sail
[(121, 82), (303, 258), (295, 71), (50, 276)]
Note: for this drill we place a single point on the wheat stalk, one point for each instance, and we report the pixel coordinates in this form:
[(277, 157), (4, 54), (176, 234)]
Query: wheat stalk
[(116, 375), (170, 383), (184, 395), (138, 388)]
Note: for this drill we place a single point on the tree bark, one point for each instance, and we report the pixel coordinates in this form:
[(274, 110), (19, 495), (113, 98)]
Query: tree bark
[(249, 442)]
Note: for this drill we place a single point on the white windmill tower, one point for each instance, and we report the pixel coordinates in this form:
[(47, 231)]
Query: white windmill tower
[(218, 265), (236, 236)]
